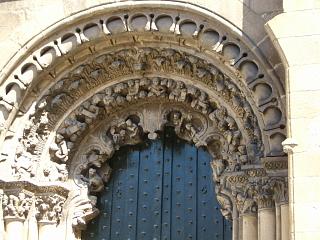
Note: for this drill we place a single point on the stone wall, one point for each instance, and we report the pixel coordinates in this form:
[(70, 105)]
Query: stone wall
[(299, 47), (290, 45)]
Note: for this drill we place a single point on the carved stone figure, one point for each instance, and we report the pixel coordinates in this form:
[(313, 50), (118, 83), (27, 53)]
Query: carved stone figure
[(72, 128), (49, 208), (16, 206), (218, 166), (23, 166), (179, 93), (95, 181), (95, 158), (55, 172), (89, 111), (225, 203), (59, 149), (218, 117), (156, 89), (201, 103), (126, 132), (133, 90), (109, 99), (105, 172)]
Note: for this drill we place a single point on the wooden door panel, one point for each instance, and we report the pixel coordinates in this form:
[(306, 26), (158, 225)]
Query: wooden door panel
[(161, 189)]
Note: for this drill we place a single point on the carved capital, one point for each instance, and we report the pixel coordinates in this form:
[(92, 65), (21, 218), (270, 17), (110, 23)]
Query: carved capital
[(280, 189), (49, 207), (16, 204)]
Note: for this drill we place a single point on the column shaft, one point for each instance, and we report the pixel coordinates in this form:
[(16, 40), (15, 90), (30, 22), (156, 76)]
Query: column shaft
[(48, 230), (278, 222), (14, 229), (249, 227), (235, 225), (267, 224), (285, 226)]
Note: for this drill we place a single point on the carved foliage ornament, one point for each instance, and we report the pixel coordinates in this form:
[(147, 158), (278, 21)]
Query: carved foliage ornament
[(16, 204), (49, 207)]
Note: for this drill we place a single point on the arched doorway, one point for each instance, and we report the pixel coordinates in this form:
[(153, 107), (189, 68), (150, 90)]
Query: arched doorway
[(112, 77), (160, 189)]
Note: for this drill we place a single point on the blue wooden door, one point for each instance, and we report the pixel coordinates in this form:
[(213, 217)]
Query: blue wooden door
[(161, 189)]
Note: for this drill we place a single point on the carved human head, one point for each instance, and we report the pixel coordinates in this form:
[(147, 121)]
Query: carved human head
[(155, 81), (92, 172), (108, 91), (22, 196)]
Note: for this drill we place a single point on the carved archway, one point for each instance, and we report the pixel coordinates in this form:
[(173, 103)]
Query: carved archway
[(90, 88)]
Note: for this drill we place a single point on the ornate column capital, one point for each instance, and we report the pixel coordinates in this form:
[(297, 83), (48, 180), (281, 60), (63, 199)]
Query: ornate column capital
[(20, 196), (16, 204), (280, 190), (49, 207)]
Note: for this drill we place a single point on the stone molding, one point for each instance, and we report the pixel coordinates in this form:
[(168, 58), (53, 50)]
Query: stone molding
[(82, 99), (188, 33)]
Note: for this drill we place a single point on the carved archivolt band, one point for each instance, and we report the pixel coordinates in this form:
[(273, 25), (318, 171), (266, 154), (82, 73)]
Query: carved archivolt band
[(186, 30), (84, 93)]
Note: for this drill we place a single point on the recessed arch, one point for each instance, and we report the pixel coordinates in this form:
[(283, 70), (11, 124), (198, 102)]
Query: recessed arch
[(213, 84)]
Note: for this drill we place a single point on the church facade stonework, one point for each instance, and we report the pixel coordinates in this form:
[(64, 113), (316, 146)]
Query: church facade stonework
[(102, 75)]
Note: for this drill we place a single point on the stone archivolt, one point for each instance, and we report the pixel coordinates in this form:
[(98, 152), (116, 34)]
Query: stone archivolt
[(113, 98)]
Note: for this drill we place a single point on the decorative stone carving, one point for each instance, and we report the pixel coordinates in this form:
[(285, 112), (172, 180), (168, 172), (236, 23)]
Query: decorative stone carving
[(49, 207), (23, 167), (84, 211), (244, 201), (225, 203), (94, 180), (280, 189), (55, 172), (16, 205), (238, 149)]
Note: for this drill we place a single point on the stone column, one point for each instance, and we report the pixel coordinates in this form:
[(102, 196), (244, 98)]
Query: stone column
[(14, 228), (266, 219), (49, 208), (249, 226), (285, 225), (31, 225), (2, 231), (279, 186), (278, 222), (16, 205), (47, 229), (235, 224)]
